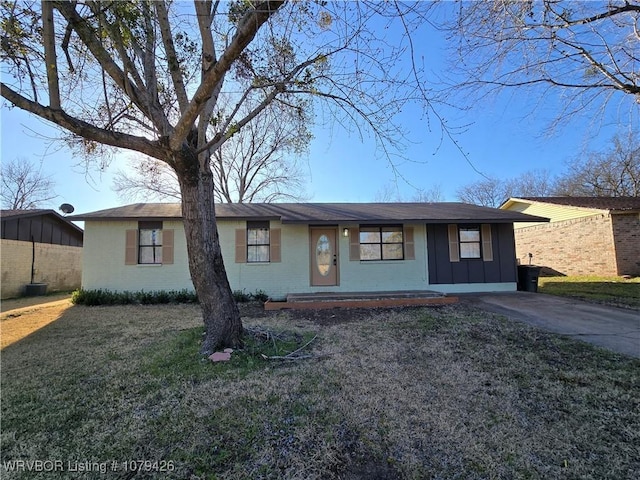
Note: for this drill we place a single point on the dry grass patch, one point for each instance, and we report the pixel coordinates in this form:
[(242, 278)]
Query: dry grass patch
[(22, 321), (416, 393)]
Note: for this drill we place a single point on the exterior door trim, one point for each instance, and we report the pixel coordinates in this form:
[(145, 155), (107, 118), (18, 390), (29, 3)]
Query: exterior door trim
[(323, 248)]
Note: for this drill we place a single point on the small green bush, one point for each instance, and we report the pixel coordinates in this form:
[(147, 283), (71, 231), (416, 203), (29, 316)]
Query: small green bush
[(260, 295), (108, 297), (240, 296)]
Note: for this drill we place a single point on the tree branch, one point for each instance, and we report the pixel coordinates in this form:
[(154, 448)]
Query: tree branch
[(247, 29), (82, 128), (172, 56), (50, 57), (91, 40)]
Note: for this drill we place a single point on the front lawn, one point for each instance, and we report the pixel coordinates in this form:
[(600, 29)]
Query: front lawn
[(614, 291), (449, 392)]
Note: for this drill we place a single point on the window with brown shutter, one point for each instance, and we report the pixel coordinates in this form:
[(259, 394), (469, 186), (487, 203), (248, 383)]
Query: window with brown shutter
[(150, 244), (131, 248), (409, 244), (487, 244), (454, 249), (274, 247), (241, 245), (468, 242), (381, 242), (167, 247), (258, 243)]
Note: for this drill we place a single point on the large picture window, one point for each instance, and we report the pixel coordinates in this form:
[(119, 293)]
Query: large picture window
[(381, 243), (150, 242), (470, 241), (258, 242)]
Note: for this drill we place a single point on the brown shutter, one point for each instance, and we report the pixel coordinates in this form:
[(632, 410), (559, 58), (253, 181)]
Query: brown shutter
[(274, 245), (354, 244), (454, 249), (131, 248), (167, 247), (409, 246), (241, 245), (487, 246)]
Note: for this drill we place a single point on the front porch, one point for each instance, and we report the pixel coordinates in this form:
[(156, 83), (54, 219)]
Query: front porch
[(321, 301)]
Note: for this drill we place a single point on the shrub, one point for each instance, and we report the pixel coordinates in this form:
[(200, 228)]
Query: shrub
[(107, 297), (240, 296), (260, 295)]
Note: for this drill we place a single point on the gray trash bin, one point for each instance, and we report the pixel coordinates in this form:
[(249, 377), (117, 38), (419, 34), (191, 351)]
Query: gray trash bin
[(35, 289), (528, 278)]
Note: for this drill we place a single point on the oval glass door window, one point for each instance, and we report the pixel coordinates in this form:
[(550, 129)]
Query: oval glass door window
[(323, 255)]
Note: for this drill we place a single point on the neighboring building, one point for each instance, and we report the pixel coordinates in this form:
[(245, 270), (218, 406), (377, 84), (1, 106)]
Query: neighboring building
[(585, 236), (41, 242), (305, 248)]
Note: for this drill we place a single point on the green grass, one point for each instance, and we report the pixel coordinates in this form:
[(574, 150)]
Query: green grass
[(609, 290), (451, 392)]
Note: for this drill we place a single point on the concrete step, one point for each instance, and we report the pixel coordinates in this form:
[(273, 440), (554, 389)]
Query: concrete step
[(322, 301), (346, 296)]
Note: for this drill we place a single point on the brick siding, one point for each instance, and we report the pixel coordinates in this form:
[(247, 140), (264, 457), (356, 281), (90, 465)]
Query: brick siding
[(626, 231), (59, 266), (582, 246)]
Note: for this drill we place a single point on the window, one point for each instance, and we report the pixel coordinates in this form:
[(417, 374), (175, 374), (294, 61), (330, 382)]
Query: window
[(470, 241), (258, 242), (150, 242), (381, 243)]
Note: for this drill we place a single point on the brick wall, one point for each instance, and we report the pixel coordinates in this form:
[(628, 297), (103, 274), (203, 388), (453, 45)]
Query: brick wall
[(582, 246), (626, 230), (59, 266)]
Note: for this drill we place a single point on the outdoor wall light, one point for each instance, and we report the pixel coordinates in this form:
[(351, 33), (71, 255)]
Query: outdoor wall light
[(345, 232)]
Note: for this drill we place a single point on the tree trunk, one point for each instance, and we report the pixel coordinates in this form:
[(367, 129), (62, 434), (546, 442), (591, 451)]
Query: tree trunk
[(219, 310)]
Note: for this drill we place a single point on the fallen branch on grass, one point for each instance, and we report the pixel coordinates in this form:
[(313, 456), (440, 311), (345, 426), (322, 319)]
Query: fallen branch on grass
[(292, 355)]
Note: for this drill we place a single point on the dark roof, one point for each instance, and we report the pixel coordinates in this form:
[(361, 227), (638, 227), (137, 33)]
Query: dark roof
[(600, 203), (324, 213), (24, 213), (35, 212)]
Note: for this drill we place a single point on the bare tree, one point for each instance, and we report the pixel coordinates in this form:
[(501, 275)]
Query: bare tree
[(492, 192), (614, 172), (258, 164), (24, 185), (390, 193), (585, 52), (430, 195), (489, 192), (152, 76)]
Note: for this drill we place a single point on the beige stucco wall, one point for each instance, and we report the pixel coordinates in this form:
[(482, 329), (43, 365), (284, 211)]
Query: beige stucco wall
[(59, 266), (104, 265)]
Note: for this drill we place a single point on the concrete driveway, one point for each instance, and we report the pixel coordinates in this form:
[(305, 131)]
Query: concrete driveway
[(616, 329)]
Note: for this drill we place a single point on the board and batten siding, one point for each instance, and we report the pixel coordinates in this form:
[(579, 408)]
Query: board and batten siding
[(497, 265)]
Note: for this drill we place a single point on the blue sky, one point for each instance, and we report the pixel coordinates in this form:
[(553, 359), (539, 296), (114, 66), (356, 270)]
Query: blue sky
[(505, 137)]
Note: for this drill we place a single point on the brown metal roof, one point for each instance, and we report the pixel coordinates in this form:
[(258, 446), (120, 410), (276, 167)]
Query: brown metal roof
[(600, 203), (324, 213)]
